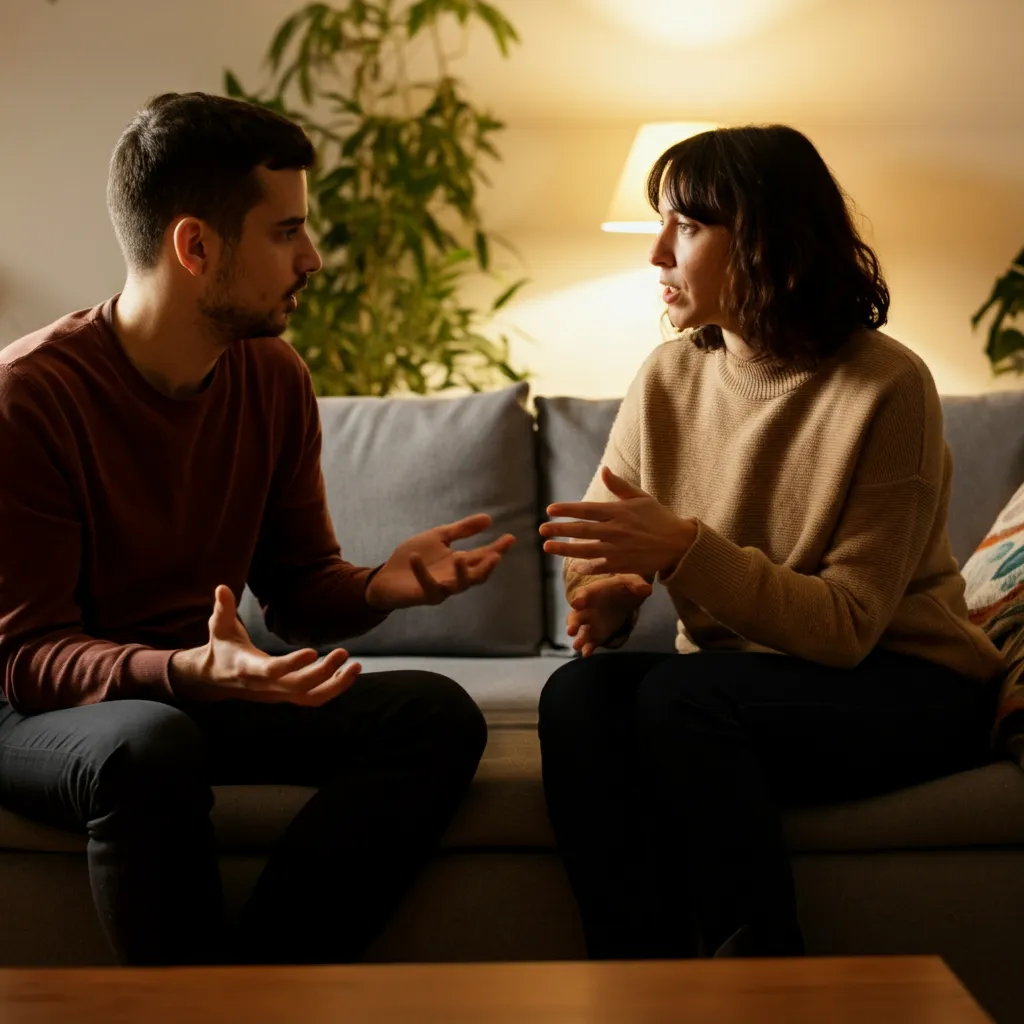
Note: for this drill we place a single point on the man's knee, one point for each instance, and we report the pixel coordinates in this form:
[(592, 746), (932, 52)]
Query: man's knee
[(149, 752), (441, 709)]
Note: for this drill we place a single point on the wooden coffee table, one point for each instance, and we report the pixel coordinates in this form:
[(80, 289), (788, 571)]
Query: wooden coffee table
[(908, 990)]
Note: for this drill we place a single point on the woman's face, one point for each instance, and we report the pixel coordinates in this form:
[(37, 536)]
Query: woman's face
[(693, 258)]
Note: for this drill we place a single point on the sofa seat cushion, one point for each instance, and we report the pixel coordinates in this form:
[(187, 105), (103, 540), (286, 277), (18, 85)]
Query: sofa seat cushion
[(507, 690), (505, 809)]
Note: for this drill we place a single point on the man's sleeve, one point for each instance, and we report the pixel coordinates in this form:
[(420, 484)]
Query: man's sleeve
[(309, 593), (47, 661)]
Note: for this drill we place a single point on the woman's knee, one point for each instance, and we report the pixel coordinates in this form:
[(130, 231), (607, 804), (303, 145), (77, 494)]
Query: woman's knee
[(573, 692)]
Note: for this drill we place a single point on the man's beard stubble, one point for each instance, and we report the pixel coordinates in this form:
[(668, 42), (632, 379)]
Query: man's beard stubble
[(233, 322)]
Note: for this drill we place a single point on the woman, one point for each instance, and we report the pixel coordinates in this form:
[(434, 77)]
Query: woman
[(780, 468)]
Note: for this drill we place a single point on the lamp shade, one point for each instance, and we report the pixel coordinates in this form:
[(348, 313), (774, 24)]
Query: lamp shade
[(629, 211)]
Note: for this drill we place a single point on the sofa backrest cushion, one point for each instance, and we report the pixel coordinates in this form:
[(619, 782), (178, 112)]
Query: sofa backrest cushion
[(986, 436), (571, 438), (394, 467)]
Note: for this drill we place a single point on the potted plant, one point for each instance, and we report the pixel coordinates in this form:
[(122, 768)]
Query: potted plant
[(393, 200), (1005, 348)]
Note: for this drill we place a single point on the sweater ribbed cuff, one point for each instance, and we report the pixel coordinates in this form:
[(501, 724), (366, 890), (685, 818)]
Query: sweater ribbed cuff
[(147, 675), (712, 573)]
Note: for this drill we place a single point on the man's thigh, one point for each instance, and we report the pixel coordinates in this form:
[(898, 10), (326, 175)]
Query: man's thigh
[(62, 767), (287, 744)]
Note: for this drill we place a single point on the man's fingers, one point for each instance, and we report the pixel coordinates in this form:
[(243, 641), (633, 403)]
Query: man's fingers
[(338, 683), (502, 544), (304, 676), (275, 668), (463, 528), (462, 577), (433, 592)]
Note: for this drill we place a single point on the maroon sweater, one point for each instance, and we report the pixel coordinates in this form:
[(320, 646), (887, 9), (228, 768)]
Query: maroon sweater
[(122, 509)]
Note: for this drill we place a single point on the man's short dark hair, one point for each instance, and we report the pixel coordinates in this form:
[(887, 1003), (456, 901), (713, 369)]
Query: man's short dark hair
[(195, 154)]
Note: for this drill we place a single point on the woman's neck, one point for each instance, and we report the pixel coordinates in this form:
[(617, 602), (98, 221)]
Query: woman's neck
[(738, 347)]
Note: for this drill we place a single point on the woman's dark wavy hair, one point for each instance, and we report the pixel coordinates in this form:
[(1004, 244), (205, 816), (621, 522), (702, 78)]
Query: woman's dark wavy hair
[(800, 277)]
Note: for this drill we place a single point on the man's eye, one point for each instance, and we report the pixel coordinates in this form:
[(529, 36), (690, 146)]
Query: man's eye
[(291, 233)]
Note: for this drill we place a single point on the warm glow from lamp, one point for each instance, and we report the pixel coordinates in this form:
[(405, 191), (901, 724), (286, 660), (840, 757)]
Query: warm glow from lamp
[(629, 211)]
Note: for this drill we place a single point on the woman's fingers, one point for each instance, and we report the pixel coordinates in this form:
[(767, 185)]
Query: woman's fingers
[(577, 549)]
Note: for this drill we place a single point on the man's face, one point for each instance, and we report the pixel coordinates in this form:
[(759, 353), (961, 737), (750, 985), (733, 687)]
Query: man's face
[(254, 287)]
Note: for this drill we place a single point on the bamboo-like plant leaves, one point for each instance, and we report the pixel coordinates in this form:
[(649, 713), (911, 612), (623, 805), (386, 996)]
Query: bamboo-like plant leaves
[(392, 199)]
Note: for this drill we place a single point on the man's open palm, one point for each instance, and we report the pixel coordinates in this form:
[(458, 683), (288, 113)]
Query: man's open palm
[(425, 570)]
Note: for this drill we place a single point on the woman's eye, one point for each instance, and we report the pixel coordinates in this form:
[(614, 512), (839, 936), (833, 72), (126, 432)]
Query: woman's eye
[(684, 228)]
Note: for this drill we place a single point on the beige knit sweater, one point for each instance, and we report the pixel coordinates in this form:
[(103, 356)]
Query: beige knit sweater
[(821, 499)]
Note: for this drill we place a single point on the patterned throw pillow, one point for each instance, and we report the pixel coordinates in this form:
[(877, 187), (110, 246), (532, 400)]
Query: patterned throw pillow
[(995, 601)]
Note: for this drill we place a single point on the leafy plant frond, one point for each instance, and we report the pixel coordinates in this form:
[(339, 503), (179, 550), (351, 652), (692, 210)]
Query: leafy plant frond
[(393, 198), (1005, 346)]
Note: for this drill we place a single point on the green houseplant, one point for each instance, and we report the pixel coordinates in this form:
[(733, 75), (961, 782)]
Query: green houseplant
[(393, 200), (1005, 348)]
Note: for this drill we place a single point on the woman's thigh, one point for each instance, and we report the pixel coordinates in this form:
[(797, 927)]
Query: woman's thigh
[(825, 733)]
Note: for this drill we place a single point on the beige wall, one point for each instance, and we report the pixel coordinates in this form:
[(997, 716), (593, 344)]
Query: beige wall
[(915, 105)]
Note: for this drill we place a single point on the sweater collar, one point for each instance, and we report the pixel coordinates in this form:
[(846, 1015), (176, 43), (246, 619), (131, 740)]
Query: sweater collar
[(758, 379)]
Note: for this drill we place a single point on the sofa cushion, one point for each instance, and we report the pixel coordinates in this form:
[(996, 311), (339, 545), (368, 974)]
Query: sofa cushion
[(507, 690), (995, 600), (986, 436), (572, 433), (397, 466), (505, 809)]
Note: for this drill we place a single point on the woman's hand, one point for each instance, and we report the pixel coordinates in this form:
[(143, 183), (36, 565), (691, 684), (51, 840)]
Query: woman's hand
[(635, 534), (601, 608)]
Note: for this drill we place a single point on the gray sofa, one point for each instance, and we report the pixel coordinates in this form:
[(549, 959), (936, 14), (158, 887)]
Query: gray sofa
[(936, 869)]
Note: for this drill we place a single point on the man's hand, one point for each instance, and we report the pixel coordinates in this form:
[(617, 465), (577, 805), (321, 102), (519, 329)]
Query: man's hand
[(229, 667), (425, 570), (635, 534), (600, 609)]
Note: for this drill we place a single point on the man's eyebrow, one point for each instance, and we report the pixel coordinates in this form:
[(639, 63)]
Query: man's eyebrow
[(291, 222)]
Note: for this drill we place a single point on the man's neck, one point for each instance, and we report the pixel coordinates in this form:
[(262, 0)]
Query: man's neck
[(168, 348)]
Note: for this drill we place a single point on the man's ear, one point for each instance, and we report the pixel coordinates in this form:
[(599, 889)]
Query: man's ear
[(190, 238)]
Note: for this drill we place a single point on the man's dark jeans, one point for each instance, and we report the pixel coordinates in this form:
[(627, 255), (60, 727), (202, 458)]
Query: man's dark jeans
[(392, 758), (664, 773)]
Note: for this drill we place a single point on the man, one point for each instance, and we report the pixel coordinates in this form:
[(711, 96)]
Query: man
[(161, 450)]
